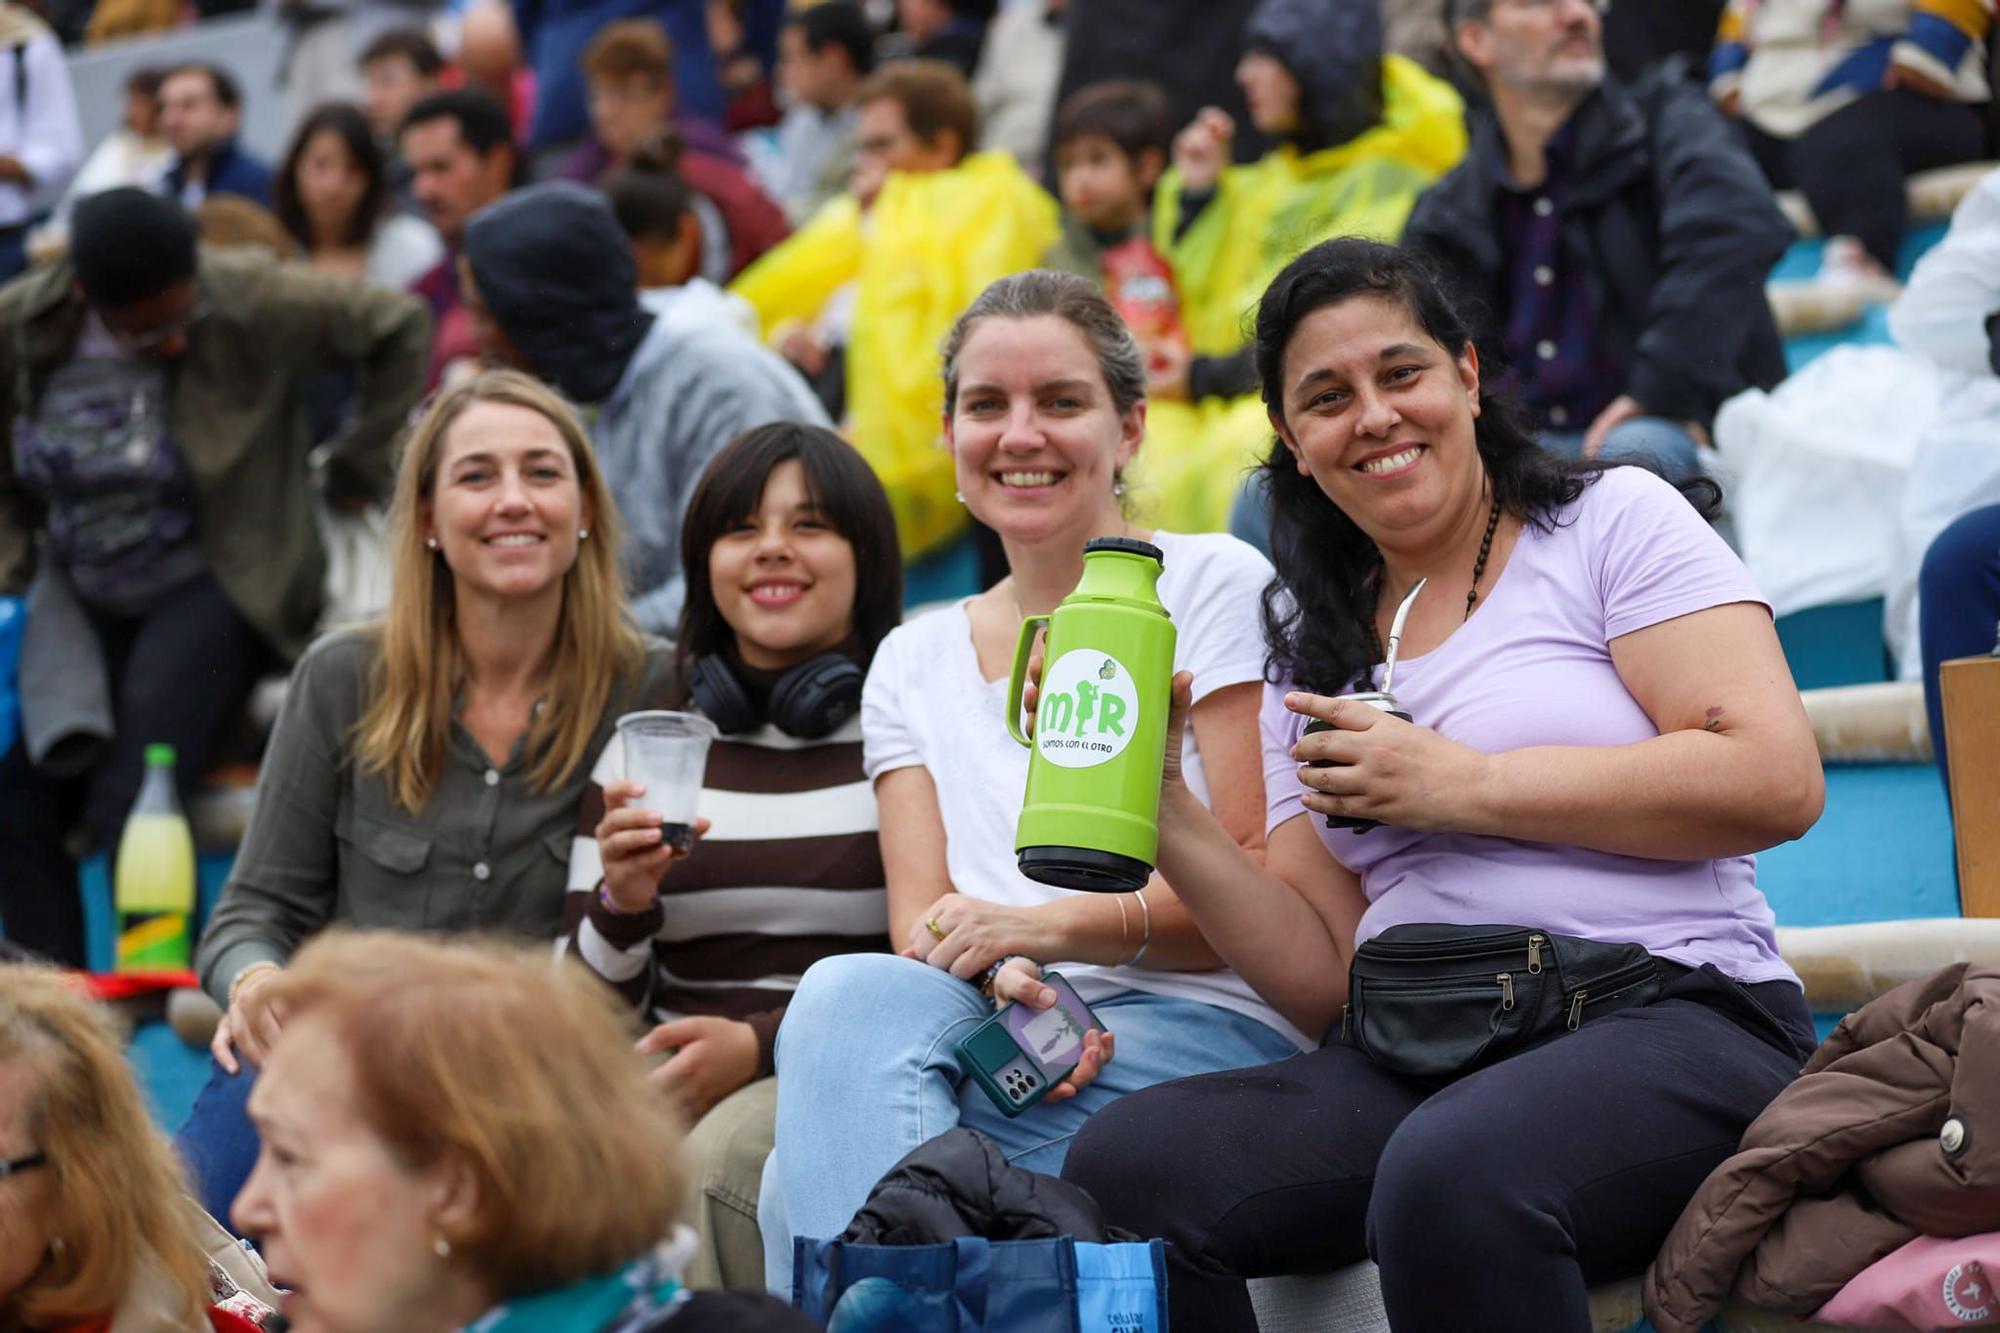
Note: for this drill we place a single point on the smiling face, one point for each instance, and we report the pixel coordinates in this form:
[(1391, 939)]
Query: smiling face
[(24, 1196), (1537, 46), (1034, 433), (1270, 92), (1382, 418), (782, 577), (506, 503), (345, 1228)]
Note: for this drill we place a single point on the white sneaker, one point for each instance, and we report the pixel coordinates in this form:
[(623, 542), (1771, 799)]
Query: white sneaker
[(1846, 264)]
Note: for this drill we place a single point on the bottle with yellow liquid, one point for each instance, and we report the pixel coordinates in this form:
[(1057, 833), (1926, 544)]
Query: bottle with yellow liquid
[(153, 879)]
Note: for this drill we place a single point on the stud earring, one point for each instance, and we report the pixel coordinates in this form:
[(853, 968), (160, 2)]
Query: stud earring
[(583, 534), (441, 1247), (431, 542), (958, 496), (1118, 486)]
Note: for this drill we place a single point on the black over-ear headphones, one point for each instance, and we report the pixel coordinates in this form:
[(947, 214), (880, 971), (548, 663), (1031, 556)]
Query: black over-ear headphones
[(809, 701)]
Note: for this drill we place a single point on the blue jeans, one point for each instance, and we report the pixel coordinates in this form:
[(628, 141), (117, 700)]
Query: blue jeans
[(868, 1069), (1664, 444), (1958, 605), (218, 1143)]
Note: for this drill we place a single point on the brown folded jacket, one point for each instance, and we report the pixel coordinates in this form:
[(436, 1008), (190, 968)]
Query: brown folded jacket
[(1847, 1164)]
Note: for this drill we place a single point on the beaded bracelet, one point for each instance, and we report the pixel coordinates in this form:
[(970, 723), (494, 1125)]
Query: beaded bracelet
[(992, 974)]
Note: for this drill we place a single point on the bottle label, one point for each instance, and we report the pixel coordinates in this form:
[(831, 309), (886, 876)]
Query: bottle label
[(153, 941), (1089, 710)]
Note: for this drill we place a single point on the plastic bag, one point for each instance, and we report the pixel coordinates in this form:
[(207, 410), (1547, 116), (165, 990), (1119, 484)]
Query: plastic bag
[(356, 587), (1814, 472), (1956, 470)]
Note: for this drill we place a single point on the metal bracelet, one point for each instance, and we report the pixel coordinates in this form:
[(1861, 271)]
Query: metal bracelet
[(1146, 928)]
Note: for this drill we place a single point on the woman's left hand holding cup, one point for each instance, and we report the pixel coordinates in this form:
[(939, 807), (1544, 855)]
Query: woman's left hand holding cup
[(1377, 766)]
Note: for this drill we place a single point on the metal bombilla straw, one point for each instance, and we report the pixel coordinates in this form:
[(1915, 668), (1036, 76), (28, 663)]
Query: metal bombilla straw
[(1396, 636)]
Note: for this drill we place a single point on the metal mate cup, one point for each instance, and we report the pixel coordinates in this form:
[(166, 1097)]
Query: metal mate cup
[(1374, 699)]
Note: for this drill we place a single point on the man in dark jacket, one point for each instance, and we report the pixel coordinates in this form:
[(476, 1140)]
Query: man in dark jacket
[(201, 110), (1612, 242)]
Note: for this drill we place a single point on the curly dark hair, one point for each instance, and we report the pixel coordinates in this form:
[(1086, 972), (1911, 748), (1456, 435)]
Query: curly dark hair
[(1318, 613)]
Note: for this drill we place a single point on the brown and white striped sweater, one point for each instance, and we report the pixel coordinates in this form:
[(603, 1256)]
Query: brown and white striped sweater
[(790, 872)]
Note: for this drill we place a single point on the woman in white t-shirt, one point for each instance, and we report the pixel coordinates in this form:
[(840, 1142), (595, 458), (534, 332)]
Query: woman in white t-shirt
[(1044, 409)]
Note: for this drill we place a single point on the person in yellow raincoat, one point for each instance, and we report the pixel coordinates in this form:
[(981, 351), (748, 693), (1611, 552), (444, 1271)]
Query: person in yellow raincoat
[(883, 271), (1362, 135)]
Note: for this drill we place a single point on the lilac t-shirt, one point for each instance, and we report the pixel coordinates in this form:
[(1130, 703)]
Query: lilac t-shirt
[(1533, 667)]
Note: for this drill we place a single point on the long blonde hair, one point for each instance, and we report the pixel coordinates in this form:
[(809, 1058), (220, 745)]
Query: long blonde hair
[(420, 666), (116, 1199)]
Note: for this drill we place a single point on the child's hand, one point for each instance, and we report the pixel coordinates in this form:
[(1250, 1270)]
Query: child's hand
[(1202, 149)]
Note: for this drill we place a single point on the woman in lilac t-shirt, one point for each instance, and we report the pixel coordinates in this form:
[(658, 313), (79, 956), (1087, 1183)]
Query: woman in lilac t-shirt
[(1605, 733)]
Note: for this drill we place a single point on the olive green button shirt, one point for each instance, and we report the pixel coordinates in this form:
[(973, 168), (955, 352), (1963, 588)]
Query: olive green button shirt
[(326, 844)]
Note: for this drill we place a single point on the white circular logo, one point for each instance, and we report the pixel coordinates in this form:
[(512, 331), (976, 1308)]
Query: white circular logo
[(1088, 710), (1967, 1293)]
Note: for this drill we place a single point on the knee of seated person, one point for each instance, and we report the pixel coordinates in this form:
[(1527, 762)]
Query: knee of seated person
[(1968, 542), (830, 996), (1439, 1179), (1119, 1165)]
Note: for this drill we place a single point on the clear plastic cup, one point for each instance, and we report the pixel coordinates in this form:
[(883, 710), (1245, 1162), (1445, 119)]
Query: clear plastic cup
[(667, 754)]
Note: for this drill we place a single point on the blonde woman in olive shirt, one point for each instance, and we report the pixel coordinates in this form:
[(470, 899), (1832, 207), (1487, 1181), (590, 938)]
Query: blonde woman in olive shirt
[(425, 772)]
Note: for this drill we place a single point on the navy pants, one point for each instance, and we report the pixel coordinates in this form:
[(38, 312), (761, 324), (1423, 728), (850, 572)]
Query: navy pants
[(1958, 606), (1494, 1203), (179, 674), (217, 1142)]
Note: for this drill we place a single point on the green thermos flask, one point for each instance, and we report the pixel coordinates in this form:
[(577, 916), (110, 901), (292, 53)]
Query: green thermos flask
[(1090, 819)]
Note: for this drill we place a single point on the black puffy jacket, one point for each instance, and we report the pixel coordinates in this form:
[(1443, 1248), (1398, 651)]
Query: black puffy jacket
[(1674, 224), (958, 1184)]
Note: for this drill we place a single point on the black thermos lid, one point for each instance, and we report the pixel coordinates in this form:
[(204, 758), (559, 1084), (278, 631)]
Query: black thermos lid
[(1129, 545)]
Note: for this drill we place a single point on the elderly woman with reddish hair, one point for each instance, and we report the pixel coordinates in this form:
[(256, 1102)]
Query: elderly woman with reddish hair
[(456, 1133)]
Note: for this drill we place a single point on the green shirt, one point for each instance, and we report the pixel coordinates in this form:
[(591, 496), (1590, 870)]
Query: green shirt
[(326, 843)]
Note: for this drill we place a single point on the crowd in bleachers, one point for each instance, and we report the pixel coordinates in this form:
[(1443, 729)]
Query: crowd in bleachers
[(584, 357)]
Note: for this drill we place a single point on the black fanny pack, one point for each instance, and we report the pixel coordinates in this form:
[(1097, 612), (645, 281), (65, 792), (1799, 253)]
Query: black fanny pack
[(1434, 1002)]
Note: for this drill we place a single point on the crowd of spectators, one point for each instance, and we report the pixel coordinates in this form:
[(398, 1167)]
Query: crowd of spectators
[(651, 340)]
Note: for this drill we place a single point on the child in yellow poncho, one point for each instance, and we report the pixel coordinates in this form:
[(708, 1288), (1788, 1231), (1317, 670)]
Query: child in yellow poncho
[(924, 233), (1363, 135)]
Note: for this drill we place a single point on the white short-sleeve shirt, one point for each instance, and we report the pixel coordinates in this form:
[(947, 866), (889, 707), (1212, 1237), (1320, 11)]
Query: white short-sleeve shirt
[(927, 705)]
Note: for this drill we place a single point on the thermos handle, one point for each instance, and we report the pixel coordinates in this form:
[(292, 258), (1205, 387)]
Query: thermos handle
[(1017, 680)]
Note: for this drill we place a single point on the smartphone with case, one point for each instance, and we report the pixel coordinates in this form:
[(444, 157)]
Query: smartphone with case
[(1021, 1052)]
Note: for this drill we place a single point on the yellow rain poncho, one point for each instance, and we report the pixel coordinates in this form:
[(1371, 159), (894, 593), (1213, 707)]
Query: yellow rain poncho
[(929, 245), (1260, 217)]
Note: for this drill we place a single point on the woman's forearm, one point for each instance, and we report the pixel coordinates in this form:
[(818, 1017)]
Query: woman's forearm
[(1254, 920), (1683, 796), (1111, 928)]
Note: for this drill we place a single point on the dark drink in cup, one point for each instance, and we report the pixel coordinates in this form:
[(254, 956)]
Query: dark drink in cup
[(667, 754), (1374, 699)]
